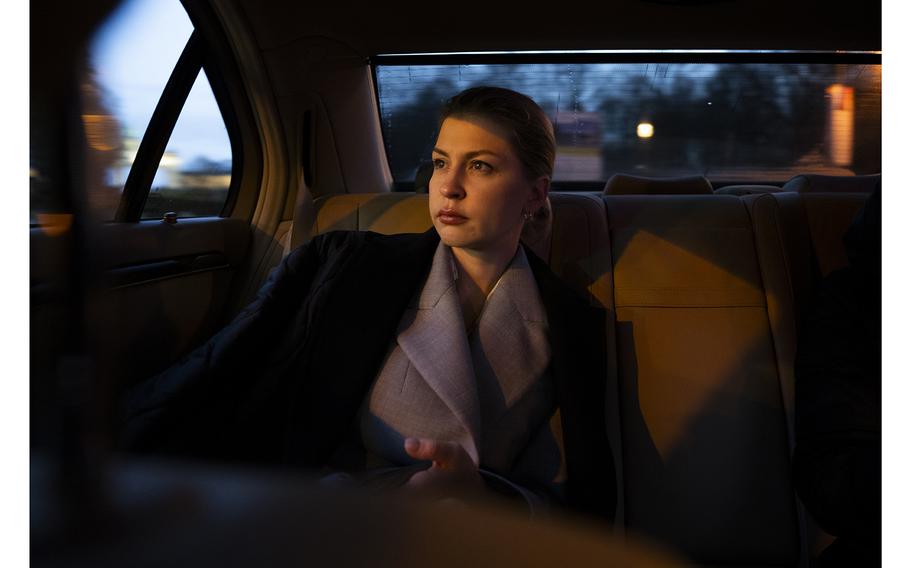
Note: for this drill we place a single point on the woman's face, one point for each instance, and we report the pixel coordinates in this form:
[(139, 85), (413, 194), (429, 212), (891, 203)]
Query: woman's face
[(479, 189)]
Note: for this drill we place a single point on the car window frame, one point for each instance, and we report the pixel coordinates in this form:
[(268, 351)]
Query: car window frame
[(206, 51)]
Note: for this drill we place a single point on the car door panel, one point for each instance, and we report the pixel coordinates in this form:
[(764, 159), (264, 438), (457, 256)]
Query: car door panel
[(165, 290)]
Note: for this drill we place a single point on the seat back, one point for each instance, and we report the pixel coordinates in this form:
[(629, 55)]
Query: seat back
[(625, 184), (750, 189), (704, 428), (387, 213), (815, 183)]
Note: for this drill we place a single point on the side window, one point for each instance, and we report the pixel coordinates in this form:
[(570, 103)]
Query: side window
[(154, 129), (194, 174)]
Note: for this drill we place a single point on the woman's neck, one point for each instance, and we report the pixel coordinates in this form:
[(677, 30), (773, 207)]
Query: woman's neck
[(478, 272), (483, 268)]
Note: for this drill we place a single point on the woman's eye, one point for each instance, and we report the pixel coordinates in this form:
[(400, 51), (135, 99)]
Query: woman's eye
[(438, 164), (481, 166)]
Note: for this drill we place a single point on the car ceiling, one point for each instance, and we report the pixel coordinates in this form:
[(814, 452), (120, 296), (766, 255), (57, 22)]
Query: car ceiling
[(390, 27)]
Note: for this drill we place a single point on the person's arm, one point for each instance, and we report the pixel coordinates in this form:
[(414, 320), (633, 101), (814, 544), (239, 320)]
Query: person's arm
[(184, 409), (837, 460)]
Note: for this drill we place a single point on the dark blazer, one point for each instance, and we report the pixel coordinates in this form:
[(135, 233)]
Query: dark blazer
[(283, 382)]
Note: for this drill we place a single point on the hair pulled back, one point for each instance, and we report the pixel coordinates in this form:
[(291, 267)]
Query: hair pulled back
[(529, 130)]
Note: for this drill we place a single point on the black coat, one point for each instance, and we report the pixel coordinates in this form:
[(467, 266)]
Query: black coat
[(283, 382), (837, 462)]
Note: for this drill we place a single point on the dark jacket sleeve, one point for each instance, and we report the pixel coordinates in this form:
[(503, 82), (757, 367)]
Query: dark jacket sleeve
[(837, 461), (224, 392)]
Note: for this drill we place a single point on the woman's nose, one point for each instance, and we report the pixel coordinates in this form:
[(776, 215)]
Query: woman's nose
[(450, 185)]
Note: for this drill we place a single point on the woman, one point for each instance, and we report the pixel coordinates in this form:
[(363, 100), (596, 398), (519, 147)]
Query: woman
[(448, 350)]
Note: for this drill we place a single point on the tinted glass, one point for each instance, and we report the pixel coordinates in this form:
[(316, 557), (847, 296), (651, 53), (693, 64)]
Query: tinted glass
[(729, 122)]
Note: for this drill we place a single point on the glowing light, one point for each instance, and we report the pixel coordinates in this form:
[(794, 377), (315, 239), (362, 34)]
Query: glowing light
[(55, 224), (101, 131), (840, 124), (645, 130)]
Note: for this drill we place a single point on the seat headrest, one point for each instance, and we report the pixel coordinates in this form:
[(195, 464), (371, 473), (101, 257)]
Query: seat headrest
[(624, 184), (422, 177), (747, 189), (814, 183)]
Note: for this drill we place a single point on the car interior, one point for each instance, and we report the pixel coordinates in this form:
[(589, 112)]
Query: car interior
[(706, 276)]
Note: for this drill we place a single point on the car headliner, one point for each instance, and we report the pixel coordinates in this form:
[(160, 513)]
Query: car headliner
[(411, 27)]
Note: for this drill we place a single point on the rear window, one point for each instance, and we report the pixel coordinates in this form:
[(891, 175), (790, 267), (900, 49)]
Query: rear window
[(731, 122)]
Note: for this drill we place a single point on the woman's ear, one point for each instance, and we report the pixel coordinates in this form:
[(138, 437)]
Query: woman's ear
[(537, 230), (540, 189)]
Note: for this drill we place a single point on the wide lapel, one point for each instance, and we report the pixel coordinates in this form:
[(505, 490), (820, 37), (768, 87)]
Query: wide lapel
[(357, 319), (433, 337), (511, 334)]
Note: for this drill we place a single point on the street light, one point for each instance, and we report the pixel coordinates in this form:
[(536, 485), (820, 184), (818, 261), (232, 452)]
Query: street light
[(645, 130)]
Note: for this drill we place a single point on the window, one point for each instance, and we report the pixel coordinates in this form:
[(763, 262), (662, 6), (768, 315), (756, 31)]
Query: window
[(152, 124), (732, 122), (194, 174)]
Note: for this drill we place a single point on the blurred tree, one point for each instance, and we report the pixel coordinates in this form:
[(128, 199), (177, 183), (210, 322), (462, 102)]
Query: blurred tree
[(768, 116), (104, 136)]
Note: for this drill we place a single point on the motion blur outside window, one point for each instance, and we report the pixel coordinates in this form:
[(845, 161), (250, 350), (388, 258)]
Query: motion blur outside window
[(194, 175), (130, 60), (731, 122)]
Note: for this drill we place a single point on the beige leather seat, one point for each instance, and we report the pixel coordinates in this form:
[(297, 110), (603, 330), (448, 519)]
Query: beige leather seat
[(386, 213), (704, 427)]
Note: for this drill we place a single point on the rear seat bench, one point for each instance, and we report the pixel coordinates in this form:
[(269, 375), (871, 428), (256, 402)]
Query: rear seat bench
[(703, 293)]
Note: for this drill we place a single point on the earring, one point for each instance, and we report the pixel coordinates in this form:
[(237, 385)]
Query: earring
[(526, 215)]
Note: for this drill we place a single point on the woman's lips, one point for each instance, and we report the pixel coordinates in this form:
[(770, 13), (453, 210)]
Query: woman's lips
[(450, 217)]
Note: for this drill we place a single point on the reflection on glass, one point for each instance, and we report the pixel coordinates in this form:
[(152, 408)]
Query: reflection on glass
[(729, 122)]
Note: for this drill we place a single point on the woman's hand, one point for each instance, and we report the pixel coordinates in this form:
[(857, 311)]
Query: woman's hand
[(452, 474)]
